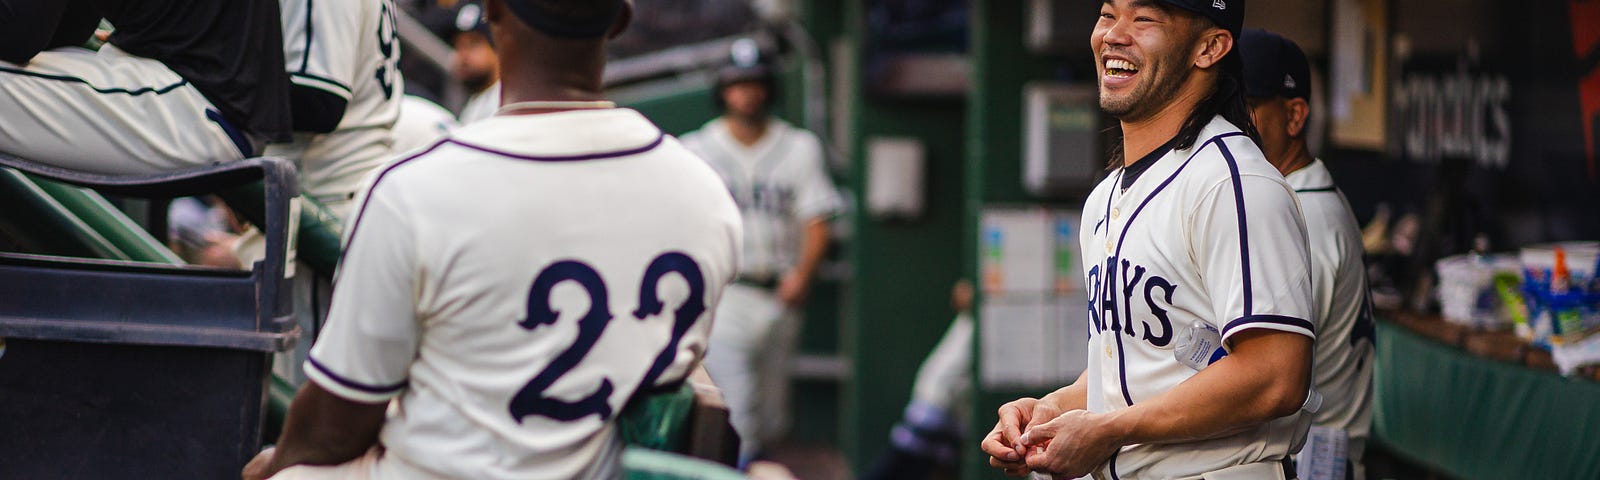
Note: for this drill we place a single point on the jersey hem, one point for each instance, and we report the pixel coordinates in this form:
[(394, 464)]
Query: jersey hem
[(1271, 322), (347, 388)]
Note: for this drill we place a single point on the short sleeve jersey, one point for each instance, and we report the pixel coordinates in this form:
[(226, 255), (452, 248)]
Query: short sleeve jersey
[(348, 49), (516, 283), (1208, 235), (1342, 363), (780, 183)]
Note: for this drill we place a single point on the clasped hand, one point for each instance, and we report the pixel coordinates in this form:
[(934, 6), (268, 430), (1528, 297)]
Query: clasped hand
[(1033, 435)]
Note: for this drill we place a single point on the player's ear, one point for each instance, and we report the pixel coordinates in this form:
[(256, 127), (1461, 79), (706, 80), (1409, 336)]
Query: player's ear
[(1299, 112), (623, 19), (1214, 44)]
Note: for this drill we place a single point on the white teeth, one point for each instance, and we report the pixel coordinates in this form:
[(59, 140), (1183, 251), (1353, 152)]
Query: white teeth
[(1120, 65)]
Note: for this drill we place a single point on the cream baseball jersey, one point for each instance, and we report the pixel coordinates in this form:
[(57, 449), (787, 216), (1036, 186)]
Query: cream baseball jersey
[(779, 183), (350, 49), (516, 283), (1342, 367), (1209, 235)]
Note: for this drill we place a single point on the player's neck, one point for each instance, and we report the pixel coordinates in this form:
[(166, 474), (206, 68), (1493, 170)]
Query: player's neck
[(747, 129), (1145, 134), (570, 71), (1301, 158)]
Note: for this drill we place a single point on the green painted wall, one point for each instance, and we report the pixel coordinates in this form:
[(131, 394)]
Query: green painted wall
[(1002, 65)]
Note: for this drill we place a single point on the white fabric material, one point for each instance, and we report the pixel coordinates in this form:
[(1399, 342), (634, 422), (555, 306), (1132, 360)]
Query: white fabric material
[(349, 49), (748, 360), (421, 123), (481, 105), (946, 375), (436, 301), (1169, 252), (1344, 351), (780, 183), (108, 112)]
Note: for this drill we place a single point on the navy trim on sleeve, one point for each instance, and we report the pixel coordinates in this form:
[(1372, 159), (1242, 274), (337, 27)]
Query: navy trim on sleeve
[(1244, 230), (352, 384), (1270, 319), (1329, 188), (323, 79)]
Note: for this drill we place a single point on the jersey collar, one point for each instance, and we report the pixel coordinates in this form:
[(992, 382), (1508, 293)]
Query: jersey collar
[(1312, 177), (569, 135)]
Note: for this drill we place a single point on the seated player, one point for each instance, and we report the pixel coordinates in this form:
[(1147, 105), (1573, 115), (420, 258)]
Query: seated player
[(509, 333), (181, 83)]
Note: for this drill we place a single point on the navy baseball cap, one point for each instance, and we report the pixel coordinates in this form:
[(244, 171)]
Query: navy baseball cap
[(1228, 14), (1273, 66)]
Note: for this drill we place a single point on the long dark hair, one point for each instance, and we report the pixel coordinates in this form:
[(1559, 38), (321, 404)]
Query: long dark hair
[(1227, 99)]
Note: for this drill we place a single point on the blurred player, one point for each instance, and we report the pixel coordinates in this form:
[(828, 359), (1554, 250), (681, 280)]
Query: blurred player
[(181, 83), (1203, 246), (343, 60), (1278, 83), (474, 63), (511, 332), (776, 173), (930, 433)]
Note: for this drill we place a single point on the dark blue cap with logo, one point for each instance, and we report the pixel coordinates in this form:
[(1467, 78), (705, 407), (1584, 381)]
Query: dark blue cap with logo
[(1273, 66), (1228, 14)]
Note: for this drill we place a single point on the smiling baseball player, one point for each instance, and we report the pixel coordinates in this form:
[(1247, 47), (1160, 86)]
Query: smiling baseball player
[(1196, 232), (1278, 83), (511, 332)]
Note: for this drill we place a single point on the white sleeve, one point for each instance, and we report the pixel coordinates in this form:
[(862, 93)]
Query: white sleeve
[(815, 195), (1249, 241), (321, 48), (364, 351)]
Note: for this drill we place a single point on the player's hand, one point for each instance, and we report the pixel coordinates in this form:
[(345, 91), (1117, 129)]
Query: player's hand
[(793, 288), (257, 468), (1072, 445), (1005, 453)]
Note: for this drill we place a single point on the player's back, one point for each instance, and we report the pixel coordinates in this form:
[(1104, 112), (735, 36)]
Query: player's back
[(561, 263)]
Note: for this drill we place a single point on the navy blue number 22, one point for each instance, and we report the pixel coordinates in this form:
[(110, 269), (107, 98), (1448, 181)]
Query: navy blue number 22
[(531, 399)]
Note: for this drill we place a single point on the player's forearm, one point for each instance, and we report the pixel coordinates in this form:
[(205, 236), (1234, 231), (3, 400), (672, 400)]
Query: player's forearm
[(1264, 378), (813, 247), (323, 429), (1071, 397)]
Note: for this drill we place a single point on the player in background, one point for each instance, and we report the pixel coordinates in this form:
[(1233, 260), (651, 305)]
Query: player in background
[(1278, 84), (474, 63), (180, 84), (343, 61), (930, 433), (776, 173), (1203, 246), (509, 333), (421, 122)]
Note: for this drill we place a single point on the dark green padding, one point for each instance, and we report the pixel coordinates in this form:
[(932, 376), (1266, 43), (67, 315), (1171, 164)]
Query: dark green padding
[(1476, 418)]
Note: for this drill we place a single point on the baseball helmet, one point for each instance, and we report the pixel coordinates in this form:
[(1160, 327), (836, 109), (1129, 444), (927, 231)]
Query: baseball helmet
[(746, 63)]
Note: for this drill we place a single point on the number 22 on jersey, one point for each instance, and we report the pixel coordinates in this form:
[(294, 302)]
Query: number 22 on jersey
[(532, 399)]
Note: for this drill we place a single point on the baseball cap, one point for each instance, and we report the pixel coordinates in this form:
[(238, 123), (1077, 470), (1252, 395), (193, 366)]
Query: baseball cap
[(745, 62), (568, 19), (1228, 14), (465, 16), (1273, 66)]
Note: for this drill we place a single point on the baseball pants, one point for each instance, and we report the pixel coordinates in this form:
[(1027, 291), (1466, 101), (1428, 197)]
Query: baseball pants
[(111, 112), (748, 358)]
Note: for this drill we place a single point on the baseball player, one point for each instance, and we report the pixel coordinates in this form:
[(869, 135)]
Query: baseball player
[(1278, 84), (473, 63), (510, 333), (421, 122), (930, 431), (343, 61), (181, 83), (1201, 244), (775, 172)]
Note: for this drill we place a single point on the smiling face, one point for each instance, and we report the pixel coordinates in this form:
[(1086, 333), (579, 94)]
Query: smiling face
[(1143, 52)]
